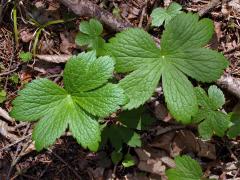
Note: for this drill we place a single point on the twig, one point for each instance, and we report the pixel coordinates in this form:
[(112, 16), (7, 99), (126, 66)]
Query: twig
[(142, 15), (89, 9), (8, 72), (16, 142), (212, 4), (10, 64), (18, 156), (169, 129), (15, 27), (57, 156), (5, 115)]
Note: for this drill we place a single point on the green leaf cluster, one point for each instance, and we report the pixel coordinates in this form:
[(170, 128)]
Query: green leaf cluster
[(127, 160), (234, 130), (90, 35), (86, 96), (182, 54), (25, 56), (211, 120), (186, 169), (124, 132), (161, 15), (119, 135)]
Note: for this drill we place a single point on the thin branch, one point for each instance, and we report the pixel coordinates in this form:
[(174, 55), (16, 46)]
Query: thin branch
[(212, 4), (89, 9)]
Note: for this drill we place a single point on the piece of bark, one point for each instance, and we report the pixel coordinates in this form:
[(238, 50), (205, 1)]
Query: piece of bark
[(90, 9), (231, 84)]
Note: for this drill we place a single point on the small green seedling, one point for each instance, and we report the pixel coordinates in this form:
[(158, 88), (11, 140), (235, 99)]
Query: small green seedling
[(86, 95), (234, 130), (119, 135), (14, 78), (116, 157), (128, 161), (90, 35), (126, 130), (186, 169), (160, 15), (3, 95), (139, 119), (182, 54), (25, 56), (212, 120)]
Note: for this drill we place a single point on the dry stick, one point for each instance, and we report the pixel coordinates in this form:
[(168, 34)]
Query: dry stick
[(88, 8), (16, 142), (212, 4), (61, 159), (5, 115)]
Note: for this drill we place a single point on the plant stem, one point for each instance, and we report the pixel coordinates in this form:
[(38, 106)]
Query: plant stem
[(36, 40), (15, 24), (38, 33)]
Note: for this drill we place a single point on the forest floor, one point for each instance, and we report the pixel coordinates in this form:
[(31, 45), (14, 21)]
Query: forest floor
[(220, 157)]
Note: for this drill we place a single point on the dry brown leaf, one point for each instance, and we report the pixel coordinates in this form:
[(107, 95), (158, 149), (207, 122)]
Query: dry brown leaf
[(25, 35), (154, 166), (54, 58), (184, 141), (143, 155), (160, 111), (46, 46), (25, 77), (153, 160), (66, 45), (163, 141)]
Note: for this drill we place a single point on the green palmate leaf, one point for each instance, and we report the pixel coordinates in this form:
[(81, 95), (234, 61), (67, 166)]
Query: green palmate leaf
[(160, 15), (186, 169), (211, 120), (90, 35), (118, 135), (85, 93), (182, 54), (138, 119), (216, 96)]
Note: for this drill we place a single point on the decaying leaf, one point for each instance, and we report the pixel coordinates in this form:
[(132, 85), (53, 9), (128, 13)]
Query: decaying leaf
[(184, 141), (54, 58)]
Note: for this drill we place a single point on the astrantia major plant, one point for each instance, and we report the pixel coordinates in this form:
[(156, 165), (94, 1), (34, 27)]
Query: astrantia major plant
[(212, 121), (86, 96), (182, 54)]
